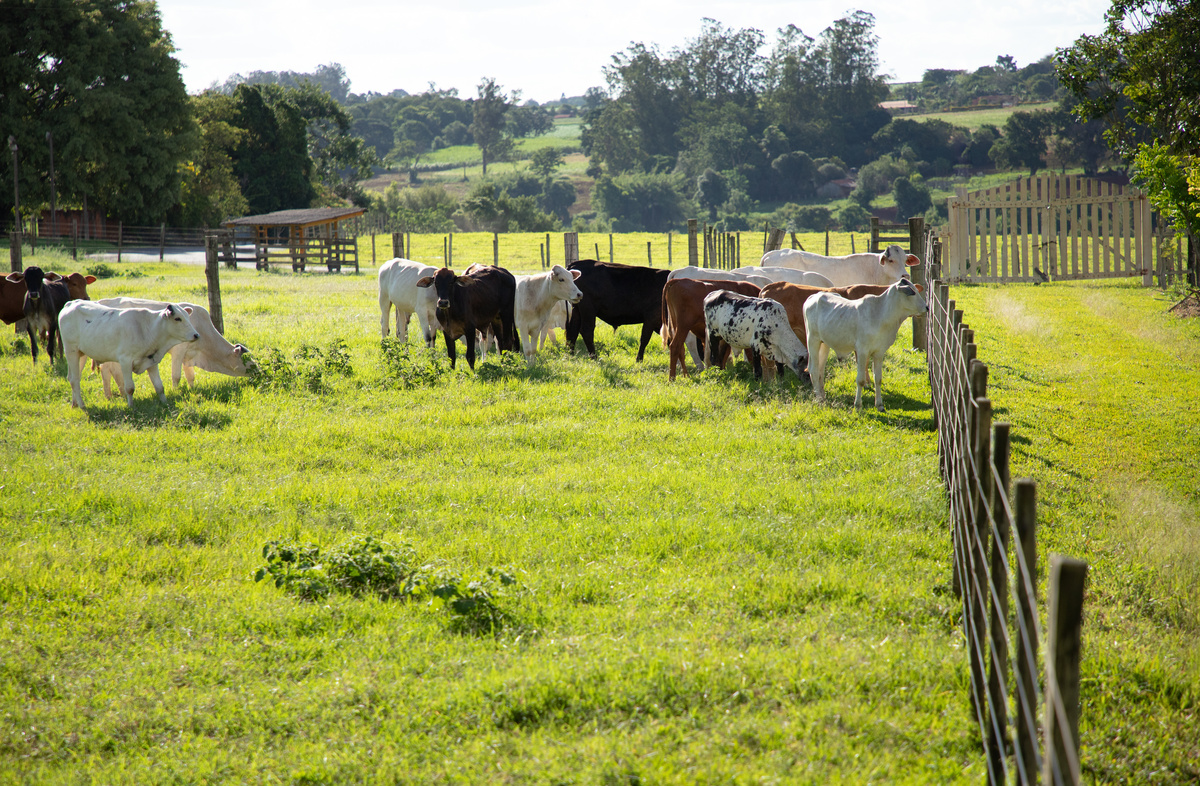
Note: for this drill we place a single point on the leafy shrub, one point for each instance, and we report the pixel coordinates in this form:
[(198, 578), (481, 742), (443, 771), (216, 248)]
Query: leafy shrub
[(310, 366), (411, 368), (103, 270), (368, 566)]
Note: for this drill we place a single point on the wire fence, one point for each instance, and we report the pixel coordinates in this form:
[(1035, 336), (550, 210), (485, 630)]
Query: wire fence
[(1029, 729)]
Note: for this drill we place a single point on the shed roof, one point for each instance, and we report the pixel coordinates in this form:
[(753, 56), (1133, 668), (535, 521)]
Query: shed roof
[(291, 218)]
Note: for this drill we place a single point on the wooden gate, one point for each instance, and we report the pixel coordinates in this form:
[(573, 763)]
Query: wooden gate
[(1049, 227)]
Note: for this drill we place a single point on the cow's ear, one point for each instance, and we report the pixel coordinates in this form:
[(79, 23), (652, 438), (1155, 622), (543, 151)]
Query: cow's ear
[(16, 278), (89, 279), (576, 274), (187, 309), (52, 276), (912, 260), (424, 282)]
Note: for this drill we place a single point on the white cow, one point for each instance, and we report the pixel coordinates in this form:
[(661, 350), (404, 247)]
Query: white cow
[(754, 323), (792, 275), (398, 287), (884, 269), (211, 353), (866, 327), (535, 301), (135, 338)]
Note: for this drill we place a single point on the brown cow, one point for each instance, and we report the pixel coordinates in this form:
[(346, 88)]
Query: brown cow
[(12, 294), (683, 312)]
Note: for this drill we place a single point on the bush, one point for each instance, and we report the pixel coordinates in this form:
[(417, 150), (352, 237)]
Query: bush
[(309, 365), (854, 218), (367, 566)]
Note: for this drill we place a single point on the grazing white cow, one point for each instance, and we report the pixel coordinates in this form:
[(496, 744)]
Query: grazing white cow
[(398, 287), (792, 275), (212, 352), (886, 268), (753, 323), (866, 327), (135, 338), (534, 302)]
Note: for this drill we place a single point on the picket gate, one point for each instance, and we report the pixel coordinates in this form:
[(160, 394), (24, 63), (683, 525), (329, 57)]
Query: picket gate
[(1050, 227)]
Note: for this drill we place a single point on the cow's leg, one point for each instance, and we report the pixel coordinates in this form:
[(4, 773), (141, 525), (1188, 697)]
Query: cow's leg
[(32, 339), (756, 361), (587, 329), (108, 372), (818, 353), (74, 375), (469, 334), (127, 380), (648, 331), (402, 318), (860, 361), (878, 364), (155, 380), (530, 341), (450, 347), (385, 315), (694, 349)]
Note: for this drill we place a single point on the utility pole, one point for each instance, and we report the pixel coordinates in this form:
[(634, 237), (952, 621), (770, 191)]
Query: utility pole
[(12, 145)]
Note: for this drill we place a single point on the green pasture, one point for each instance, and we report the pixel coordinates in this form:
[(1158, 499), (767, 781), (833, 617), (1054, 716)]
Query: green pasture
[(974, 119), (523, 251), (718, 581)]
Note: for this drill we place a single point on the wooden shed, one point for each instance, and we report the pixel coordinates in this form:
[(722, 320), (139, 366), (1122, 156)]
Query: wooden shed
[(315, 235)]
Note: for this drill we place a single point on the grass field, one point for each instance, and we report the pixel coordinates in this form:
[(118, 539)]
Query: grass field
[(974, 119), (719, 581)]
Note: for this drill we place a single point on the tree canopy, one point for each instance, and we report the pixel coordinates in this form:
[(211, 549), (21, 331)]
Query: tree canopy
[(102, 80)]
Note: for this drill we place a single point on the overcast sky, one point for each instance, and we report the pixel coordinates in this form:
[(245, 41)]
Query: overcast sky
[(546, 49)]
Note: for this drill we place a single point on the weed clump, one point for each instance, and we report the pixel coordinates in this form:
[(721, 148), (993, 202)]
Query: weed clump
[(310, 366), (366, 566), (409, 368)]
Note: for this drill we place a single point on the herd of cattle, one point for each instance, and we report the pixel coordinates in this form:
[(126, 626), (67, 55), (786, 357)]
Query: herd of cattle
[(787, 313)]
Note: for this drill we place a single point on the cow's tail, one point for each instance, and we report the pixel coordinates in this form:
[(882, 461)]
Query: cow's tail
[(666, 330)]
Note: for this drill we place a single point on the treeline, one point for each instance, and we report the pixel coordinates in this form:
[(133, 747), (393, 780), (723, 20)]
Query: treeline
[(725, 125)]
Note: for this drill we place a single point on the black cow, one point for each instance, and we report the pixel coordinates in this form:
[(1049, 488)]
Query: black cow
[(44, 298), (480, 299), (619, 295)]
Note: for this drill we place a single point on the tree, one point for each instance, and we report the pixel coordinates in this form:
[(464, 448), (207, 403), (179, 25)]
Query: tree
[(102, 79), (489, 127), (271, 159), (545, 161), (712, 191), (1023, 142), (210, 191), (1141, 75), (912, 197), (796, 175), (641, 202)]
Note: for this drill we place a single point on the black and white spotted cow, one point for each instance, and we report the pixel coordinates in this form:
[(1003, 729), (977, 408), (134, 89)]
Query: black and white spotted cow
[(757, 324)]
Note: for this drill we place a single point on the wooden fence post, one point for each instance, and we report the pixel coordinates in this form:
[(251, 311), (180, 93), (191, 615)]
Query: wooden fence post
[(14, 251), (670, 261), (120, 239), (496, 249), (916, 246), (1025, 667), (998, 610), (162, 241), (212, 272), (570, 248), (548, 263), (1064, 602), (693, 250), (649, 257), (611, 257)]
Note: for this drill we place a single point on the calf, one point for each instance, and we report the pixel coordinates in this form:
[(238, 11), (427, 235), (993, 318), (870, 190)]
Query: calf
[(480, 299), (212, 352), (12, 294), (536, 297), (134, 338), (683, 312), (753, 323), (708, 274), (886, 268), (867, 327), (44, 299), (398, 288), (619, 295)]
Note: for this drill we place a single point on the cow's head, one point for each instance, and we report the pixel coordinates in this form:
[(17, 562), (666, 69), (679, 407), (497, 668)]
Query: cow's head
[(76, 283), (897, 255), (443, 282), (562, 284), (33, 277), (178, 324)]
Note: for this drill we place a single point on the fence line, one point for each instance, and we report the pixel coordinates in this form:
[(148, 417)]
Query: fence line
[(973, 456)]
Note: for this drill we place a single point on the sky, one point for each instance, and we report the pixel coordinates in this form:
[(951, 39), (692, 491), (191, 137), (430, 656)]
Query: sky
[(550, 49)]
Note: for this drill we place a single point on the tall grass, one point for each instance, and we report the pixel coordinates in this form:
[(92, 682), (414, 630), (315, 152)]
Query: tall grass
[(727, 582)]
